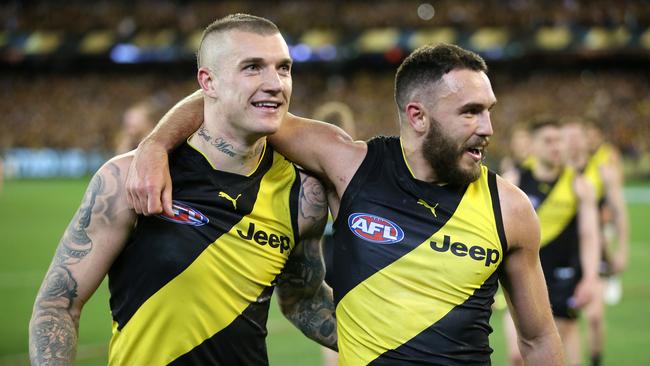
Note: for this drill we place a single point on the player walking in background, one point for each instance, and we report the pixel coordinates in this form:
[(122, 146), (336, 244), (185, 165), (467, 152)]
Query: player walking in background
[(422, 230), (600, 164), (194, 286), (518, 148), (564, 201)]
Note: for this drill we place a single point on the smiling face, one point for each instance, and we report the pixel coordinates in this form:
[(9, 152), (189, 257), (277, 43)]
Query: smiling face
[(247, 76), (458, 107)]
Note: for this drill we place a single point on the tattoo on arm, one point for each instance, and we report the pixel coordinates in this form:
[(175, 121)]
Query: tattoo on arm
[(303, 296), (54, 324), (313, 201)]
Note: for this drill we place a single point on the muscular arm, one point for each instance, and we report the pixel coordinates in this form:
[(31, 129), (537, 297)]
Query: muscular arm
[(303, 296), (523, 281), (319, 147), (89, 245), (589, 240)]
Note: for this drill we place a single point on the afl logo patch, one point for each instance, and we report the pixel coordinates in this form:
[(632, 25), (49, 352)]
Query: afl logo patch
[(186, 215), (375, 229)]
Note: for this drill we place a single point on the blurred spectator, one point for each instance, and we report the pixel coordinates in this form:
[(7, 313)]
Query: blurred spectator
[(137, 122)]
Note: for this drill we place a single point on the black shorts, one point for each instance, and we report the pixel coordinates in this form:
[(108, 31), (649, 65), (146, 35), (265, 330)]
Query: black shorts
[(561, 283)]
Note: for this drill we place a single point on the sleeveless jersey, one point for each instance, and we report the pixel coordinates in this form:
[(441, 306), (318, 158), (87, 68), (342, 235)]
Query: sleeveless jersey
[(415, 265), (195, 290), (556, 204)]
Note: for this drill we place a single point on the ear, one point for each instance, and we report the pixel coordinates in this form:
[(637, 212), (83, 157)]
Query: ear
[(207, 81), (416, 115)]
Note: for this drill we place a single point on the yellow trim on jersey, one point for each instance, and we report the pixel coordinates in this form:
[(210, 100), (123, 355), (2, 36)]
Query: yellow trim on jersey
[(421, 287), (404, 156), (529, 162), (602, 156), (259, 161), (225, 278), (559, 207)]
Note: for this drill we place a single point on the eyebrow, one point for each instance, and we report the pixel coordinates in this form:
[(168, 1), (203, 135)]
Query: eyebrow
[(259, 60), (470, 106)]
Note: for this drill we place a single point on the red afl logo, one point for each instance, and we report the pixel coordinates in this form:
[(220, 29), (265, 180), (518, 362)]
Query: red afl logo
[(375, 229), (184, 214)]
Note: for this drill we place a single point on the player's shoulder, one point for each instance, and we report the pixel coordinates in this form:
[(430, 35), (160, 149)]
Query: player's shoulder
[(519, 219), (116, 168), (511, 196)]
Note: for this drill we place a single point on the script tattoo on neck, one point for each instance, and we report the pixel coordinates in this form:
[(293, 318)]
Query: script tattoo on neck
[(218, 142), (53, 329)]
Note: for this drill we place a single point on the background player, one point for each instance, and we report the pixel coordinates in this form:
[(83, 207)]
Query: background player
[(600, 164), (565, 204)]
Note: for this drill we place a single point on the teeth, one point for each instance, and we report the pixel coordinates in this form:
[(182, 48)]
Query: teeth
[(266, 104)]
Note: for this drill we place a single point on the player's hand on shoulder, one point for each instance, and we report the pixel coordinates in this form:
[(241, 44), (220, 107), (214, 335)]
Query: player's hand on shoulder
[(148, 181)]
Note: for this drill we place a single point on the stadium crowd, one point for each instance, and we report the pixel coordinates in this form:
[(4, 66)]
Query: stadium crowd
[(345, 16), (85, 111)]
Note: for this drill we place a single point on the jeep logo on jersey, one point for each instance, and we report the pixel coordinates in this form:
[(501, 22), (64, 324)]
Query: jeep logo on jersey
[(261, 237), (375, 229), (184, 214), (475, 252)]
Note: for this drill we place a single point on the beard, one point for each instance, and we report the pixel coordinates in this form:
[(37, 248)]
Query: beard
[(444, 157)]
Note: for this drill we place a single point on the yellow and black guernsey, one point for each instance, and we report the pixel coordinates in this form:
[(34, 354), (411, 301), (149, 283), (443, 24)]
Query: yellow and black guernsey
[(195, 289), (556, 204), (415, 265)]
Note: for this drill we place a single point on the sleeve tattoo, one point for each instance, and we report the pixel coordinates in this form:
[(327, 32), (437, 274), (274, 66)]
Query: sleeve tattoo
[(303, 296), (54, 326)]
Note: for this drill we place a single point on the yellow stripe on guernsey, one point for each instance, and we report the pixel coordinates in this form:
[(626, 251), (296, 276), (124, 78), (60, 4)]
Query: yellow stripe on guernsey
[(559, 207), (592, 172), (424, 285), (229, 275)]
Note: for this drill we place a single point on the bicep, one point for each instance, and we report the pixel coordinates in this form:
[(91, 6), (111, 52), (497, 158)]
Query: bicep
[(93, 238), (304, 271)]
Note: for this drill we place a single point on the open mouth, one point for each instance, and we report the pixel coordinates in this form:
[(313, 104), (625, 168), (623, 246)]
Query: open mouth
[(267, 106), (476, 153)]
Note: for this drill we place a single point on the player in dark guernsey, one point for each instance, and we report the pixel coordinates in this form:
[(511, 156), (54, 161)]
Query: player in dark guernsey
[(193, 286), (422, 230), (599, 162), (564, 201)]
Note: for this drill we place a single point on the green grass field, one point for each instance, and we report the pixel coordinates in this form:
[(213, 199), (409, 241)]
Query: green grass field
[(33, 215)]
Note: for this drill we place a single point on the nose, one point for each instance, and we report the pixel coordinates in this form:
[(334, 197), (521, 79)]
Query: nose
[(272, 82), (484, 124)]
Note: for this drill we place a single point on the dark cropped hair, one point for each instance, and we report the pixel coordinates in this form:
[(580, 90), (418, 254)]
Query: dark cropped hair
[(239, 21), (544, 120), (428, 64)]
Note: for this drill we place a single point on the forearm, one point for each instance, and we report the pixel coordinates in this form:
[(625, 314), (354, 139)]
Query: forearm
[(179, 122), (545, 350), (315, 317), (54, 325)]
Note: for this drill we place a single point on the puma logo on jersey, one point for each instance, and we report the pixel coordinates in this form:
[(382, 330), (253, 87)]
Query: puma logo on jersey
[(432, 208), (233, 200), (475, 252)]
